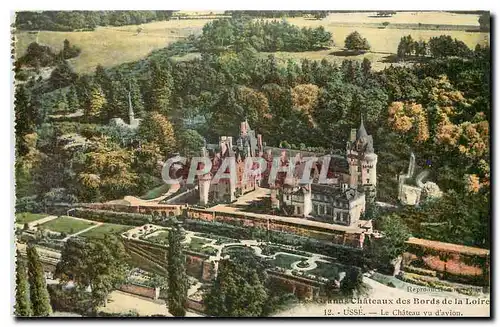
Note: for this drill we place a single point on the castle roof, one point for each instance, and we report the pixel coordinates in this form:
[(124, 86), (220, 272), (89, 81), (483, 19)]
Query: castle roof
[(364, 142), (361, 130)]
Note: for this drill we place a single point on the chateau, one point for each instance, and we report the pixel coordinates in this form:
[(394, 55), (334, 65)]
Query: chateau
[(352, 178)]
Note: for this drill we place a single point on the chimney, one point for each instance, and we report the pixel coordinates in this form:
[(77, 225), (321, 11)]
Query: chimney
[(353, 135), (243, 128)]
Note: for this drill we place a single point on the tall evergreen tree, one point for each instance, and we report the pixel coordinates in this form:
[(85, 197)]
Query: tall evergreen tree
[(161, 89), (95, 102), (177, 278), (72, 99), (38, 289), (23, 305), (24, 119)]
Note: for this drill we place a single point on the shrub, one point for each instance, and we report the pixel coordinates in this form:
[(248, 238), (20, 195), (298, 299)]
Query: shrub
[(420, 271)]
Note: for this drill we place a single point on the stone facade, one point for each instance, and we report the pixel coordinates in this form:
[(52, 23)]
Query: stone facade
[(228, 189)]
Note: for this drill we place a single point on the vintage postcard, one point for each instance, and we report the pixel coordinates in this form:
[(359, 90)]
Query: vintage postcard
[(252, 163)]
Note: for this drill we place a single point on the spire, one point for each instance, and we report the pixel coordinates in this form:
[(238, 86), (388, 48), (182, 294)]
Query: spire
[(131, 117), (361, 131)]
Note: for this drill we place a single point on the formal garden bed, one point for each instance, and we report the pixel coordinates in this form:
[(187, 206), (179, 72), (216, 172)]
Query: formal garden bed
[(238, 250), (303, 264), (160, 237), (326, 270), (285, 260), (197, 243)]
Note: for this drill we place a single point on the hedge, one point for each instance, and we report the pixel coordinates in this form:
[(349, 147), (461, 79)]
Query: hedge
[(113, 217)]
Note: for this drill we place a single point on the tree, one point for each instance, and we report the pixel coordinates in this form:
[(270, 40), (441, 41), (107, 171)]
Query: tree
[(25, 118), (39, 295), (23, 305), (177, 278), (69, 51), (161, 89), (95, 103), (406, 47), (156, 128), (484, 22), (62, 76), (444, 46), (72, 99), (356, 42), (392, 244), (238, 291), (98, 263), (190, 142), (352, 283)]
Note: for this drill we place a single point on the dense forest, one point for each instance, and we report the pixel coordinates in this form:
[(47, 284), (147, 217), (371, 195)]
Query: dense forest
[(85, 20), (439, 108)]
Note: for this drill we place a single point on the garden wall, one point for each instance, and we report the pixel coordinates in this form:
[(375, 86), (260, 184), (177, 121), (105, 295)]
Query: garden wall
[(452, 262), (141, 290), (153, 257), (341, 237)]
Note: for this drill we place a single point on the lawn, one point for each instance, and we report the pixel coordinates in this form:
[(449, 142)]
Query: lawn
[(67, 225), (156, 192), (285, 260), (159, 237), (28, 217), (112, 45), (106, 229)]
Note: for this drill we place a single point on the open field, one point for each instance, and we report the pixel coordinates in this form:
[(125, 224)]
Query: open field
[(67, 225), (28, 217), (106, 229), (410, 17), (111, 45)]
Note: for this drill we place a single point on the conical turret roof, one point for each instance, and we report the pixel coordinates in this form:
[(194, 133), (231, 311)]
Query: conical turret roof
[(361, 131)]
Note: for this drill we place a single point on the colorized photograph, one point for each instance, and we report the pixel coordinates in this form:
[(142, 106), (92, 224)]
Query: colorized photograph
[(314, 163)]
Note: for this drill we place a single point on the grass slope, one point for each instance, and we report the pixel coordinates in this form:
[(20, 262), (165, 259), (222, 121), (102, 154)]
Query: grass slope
[(112, 45)]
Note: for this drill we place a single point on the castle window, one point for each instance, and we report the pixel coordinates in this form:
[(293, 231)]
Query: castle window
[(367, 181), (368, 170), (329, 211), (298, 210)]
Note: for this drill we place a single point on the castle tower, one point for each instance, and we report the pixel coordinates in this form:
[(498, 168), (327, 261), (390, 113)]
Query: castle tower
[(362, 162)]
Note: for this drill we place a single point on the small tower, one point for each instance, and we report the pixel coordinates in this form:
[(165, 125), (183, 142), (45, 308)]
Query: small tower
[(362, 162), (131, 117), (204, 181)]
